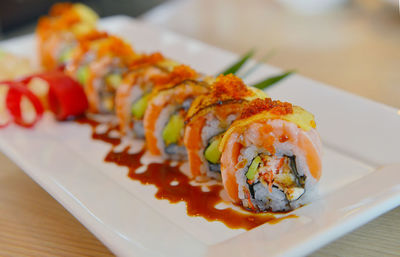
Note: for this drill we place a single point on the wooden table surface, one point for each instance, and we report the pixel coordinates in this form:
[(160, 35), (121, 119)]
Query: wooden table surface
[(356, 48)]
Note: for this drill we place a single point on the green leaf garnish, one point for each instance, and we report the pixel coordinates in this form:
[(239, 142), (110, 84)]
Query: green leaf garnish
[(237, 65), (257, 65), (272, 80)]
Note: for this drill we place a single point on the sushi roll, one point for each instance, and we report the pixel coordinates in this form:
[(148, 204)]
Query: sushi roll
[(166, 111), (271, 157), (209, 117), (99, 64), (133, 94), (59, 32)]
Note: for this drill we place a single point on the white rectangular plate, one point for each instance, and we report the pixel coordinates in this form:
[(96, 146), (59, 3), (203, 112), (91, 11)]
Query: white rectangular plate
[(361, 170)]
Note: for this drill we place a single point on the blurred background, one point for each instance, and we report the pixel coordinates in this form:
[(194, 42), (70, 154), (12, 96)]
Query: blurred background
[(20, 16), (350, 44)]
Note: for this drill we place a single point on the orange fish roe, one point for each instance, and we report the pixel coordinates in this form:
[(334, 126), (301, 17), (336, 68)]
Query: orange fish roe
[(107, 46), (116, 46), (59, 8), (179, 74), (48, 25), (86, 40), (229, 86), (62, 17), (44, 26), (93, 35), (283, 138), (68, 19), (259, 105), (147, 59)]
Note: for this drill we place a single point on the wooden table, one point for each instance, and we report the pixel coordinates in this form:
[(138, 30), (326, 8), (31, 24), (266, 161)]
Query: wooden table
[(356, 48)]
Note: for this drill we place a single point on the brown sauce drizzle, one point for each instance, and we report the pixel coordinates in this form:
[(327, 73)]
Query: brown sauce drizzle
[(174, 186)]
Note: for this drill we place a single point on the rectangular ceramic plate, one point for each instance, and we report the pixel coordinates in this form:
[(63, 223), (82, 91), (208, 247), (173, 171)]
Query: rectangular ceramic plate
[(360, 180)]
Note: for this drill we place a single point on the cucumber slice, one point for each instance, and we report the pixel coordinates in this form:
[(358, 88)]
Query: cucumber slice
[(252, 171), (139, 107), (172, 132), (114, 80), (83, 74), (212, 153)]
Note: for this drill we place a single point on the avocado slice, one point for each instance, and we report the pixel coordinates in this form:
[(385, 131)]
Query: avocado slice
[(212, 152), (172, 132), (252, 171), (66, 55), (139, 107), (83, 74), (114, 80)]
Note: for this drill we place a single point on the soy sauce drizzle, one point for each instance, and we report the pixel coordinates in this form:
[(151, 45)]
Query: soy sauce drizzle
[(174, 186)]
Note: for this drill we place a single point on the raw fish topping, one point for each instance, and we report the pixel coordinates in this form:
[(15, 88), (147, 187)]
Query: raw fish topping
[(259, 105)]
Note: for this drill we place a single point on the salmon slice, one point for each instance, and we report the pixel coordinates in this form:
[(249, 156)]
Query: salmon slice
[(194, 144), (267, 134), (174, 96), (136, 79)]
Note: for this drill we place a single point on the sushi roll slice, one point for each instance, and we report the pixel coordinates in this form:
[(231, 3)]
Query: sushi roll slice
[(59, 32), (133, 94), (99, 64), (166, 111), (209, 117), (271, 157)]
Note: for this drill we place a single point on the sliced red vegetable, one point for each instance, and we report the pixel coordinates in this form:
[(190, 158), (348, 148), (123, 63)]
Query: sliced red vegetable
[(16, 91), (5, 118), (2, 125), (66, 96)]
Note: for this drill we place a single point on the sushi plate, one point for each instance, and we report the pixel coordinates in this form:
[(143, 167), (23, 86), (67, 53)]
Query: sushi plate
[(360, 180)]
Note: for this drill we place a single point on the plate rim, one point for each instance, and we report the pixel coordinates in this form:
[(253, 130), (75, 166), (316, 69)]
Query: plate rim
[(306, 247)]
